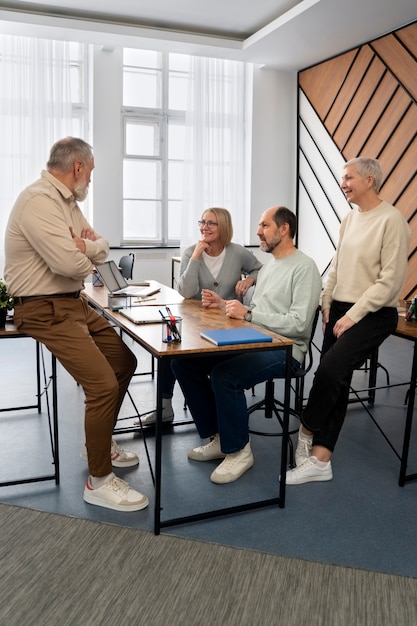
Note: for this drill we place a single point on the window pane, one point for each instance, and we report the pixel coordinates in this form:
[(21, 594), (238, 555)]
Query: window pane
[(179, 62), (142, 138), (174, 220), (176, 140), (175, 180), (142, 88), (141, 179), (178, 92), (141, 58), (141, 220)]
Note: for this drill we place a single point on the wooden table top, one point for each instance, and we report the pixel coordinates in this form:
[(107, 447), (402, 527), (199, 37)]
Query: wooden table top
[(194, 319)]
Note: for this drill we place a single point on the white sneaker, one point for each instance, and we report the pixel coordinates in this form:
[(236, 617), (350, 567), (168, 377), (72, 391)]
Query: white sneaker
[(150, 418), (304, 448), (233, 466), (119, 457), (309, 472), (210, 451), (115, 494)]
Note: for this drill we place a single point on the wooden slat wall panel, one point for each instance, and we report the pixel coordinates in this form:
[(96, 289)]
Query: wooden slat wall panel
[(348, 89), (396, 154), (386, 123), (401, 175), (359, 103), (322, 82), (408, 37), (407, 203), (374, 113), (400, 62)]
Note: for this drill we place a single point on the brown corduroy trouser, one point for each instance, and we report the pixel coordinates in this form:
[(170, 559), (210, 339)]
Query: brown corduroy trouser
[(90, 349)]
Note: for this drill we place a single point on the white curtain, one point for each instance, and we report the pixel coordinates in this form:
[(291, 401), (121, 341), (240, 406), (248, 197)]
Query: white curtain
[(35, 111), (214, 170)]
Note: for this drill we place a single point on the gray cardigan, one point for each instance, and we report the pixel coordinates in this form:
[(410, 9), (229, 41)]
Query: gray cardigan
[(195, 276)]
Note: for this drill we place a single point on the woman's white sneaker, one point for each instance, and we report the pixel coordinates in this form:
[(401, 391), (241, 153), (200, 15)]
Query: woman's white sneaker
[(115, 494), (311, 470), (304, 447)]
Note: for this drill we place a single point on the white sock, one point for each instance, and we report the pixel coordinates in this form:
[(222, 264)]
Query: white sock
[(97, 481), (303, 437), (321, 464)]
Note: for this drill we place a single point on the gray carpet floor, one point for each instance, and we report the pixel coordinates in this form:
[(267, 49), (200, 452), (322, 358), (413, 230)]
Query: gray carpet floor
[(68, 571), (360, 520)]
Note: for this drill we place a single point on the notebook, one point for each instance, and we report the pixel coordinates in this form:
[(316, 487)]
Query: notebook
[(229, 336), (118, 285), (143, 315)]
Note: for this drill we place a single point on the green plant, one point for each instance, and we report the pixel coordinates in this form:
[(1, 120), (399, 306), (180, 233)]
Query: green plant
[(6, 301)]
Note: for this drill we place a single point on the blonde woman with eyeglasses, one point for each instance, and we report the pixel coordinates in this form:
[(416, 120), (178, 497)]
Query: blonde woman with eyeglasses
[(214, 263)]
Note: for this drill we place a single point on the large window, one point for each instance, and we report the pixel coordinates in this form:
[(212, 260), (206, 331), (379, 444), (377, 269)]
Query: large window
[(43, 98), (155, 88)]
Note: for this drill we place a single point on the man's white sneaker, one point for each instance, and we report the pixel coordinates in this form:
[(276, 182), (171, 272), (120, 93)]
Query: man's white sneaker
[(304, 448), (150, 418), (309, 471), (119, 457), (233, 466), (115, 494), (210, 451)]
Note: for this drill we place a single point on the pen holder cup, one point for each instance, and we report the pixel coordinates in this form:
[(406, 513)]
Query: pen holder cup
[(172, 329)]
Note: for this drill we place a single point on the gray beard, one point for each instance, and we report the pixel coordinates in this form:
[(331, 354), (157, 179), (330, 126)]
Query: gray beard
[(80, 193)]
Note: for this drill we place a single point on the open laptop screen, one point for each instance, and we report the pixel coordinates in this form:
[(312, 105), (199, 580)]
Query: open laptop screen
[(111, 275)]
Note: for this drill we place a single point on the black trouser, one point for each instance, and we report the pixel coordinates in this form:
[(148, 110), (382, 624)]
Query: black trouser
[(328, 400)]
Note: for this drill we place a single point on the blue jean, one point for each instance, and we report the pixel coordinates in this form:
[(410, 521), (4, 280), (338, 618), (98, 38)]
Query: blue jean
[(214, 389)]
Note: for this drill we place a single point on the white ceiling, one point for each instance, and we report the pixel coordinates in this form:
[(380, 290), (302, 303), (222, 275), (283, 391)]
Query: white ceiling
[(281, 34)]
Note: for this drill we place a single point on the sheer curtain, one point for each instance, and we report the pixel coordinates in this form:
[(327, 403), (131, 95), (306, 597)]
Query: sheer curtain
[(214, 168), (35, 111)]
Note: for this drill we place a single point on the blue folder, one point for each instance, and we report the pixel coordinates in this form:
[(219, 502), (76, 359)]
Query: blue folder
[(230, 336)]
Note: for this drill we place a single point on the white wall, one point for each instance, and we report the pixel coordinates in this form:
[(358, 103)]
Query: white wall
[(274, 143)]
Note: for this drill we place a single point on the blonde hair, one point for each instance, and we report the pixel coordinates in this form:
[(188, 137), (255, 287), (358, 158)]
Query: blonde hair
[(224, 220)]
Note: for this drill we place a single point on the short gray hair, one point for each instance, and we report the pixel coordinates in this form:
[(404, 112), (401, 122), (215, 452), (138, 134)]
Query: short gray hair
[(368, 167), (66, 151)]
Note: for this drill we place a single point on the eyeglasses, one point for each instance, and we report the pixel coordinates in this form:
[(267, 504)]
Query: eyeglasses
[(209, 224)]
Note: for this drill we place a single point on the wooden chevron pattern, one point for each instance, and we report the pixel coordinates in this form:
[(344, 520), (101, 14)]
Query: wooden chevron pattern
[(366, 100)]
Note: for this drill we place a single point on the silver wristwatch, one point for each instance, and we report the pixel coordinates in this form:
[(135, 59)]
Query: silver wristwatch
[(248, 316)]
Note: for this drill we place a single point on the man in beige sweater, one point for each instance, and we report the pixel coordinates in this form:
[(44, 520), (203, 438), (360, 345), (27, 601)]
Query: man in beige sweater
[(50, 249)]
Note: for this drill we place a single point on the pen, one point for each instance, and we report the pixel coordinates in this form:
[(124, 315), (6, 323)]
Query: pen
[(174, 328), (169, 328)]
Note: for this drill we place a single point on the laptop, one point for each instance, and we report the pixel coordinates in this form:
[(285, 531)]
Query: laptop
[(143, 315), (118, 285)]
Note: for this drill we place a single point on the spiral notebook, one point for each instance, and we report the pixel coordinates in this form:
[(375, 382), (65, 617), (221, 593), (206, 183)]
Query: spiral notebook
[(230, 336)]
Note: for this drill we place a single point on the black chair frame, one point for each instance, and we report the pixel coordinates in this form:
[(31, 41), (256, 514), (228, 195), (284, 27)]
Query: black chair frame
[(272, 406)]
